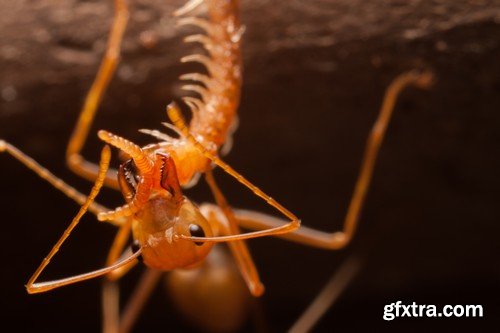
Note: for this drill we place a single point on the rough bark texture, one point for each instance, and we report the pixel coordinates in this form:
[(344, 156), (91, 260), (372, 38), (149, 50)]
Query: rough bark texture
[(315, 73)]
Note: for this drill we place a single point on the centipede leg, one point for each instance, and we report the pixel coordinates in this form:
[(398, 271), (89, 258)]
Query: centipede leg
[(75, 161)]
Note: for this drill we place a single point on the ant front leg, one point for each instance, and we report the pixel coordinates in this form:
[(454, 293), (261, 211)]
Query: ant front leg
[(75, 161)]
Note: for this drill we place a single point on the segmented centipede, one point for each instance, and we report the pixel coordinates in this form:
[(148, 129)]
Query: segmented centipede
[(214, 111)]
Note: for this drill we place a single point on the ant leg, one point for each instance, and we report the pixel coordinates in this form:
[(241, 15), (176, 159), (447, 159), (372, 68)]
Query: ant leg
[(75, 161), (338, 240), (238, 248), (327, 296), (253, 220), (138, 299), (110, 306), (311, 237), (294, 223), (33, 287), (116, 250), (53, 180), (110, 288)]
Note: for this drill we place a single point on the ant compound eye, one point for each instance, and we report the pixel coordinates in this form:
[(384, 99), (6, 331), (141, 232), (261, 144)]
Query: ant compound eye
[(135, 247), (196, 231)]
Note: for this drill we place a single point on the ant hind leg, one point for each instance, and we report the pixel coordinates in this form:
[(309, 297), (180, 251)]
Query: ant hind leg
[(334, 288), (339, 239), (229, 226), (137, 301)]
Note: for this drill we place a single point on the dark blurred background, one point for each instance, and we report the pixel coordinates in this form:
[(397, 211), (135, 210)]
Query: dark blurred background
[(315, 74)]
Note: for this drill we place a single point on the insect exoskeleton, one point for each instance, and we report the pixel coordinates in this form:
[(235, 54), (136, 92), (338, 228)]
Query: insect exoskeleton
[(160, 212), (157, 227), (212, 297)]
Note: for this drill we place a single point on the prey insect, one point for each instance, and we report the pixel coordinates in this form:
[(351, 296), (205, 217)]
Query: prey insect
[(170, 231)]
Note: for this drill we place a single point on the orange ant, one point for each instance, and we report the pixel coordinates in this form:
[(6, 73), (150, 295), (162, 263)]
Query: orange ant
[(169, 231)]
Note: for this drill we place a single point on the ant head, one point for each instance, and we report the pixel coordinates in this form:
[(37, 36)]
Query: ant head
[(164, 216), (159, 227)]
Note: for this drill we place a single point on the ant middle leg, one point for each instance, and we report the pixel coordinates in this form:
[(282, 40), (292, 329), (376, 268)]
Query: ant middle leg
[(138, 300), (75, 161)]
